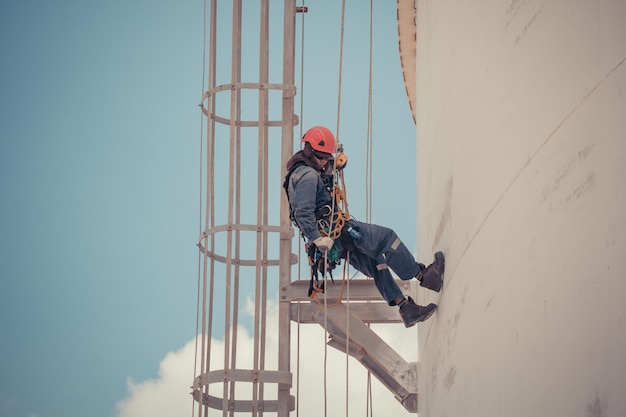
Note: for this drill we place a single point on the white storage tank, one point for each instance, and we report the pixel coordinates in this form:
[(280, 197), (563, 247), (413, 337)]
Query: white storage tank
[(521, 130)]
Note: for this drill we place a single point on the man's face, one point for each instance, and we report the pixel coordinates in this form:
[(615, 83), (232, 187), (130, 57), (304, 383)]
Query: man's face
[(323, 157)]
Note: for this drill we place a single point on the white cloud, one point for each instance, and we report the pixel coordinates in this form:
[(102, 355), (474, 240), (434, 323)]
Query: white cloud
[(169, 394), (166, 395)]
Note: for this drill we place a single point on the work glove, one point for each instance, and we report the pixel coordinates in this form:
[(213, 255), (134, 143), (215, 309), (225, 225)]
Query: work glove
[(324, 243)]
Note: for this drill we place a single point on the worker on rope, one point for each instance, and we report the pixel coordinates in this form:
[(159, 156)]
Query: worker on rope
[(373, 249)]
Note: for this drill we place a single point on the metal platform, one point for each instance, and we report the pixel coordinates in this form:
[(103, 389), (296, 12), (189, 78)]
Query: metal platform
[(346, 324)]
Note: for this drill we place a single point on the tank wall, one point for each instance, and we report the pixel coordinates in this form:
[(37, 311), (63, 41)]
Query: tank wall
[(521, 120)]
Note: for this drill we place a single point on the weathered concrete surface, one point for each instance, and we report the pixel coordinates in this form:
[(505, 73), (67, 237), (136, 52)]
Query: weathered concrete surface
[(521, 118)]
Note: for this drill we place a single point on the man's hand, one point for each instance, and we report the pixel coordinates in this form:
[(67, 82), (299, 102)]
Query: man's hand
[(324, 243)]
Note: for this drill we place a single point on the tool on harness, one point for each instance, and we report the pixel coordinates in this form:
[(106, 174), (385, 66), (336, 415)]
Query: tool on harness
[(320, 264), (354, 232)]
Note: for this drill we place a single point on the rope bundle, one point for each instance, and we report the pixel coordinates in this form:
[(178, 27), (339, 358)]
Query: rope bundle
[(339, 217)]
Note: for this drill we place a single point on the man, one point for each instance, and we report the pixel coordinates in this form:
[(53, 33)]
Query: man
[(372, 249)]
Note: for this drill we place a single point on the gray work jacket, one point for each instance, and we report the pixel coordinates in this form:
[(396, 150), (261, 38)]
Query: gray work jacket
[(307, 193)]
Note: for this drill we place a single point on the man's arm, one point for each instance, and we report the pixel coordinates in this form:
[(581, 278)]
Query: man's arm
[(302, 196)]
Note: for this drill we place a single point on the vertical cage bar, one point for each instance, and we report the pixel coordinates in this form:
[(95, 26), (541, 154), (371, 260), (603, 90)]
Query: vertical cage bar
[(285, 240)]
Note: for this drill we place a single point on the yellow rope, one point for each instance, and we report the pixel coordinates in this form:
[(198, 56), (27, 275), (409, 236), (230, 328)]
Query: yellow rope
[(340, 216)]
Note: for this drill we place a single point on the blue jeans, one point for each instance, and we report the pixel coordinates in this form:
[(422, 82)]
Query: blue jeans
[(375, 251)]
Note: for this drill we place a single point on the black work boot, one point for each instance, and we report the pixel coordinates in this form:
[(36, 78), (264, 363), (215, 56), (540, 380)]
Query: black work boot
[(412, 314), (431, 277)]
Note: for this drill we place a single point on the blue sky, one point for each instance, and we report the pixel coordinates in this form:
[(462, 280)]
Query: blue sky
[(99, 182)]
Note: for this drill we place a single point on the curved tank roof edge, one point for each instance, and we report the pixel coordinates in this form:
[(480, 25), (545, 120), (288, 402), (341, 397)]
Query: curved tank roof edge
[(407, 45)]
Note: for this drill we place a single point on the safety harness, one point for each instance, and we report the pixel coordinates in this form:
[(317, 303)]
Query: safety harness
[(331, 219)]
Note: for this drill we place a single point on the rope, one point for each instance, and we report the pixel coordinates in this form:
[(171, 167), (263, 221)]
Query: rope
[(332, 230), (339, 216), (343, 15), (302, 70), (302, 20), (368, 177), (325, 350), (346, 272), (369, 405), (298, 362), (195, 355), (369, 149), (207, 321)]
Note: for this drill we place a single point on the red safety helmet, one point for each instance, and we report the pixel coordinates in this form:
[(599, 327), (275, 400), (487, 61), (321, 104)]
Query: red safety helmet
[(321, 139)]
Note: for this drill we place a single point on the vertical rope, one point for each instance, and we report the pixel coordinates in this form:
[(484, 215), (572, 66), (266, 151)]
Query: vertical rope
[(199, 272), (210, 207), (369, 409), (324, 341), (343, 11), (302, 70), (369, 152), (300, 246), (298, 362), (343, 14), (347, 274), (369, 170)]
